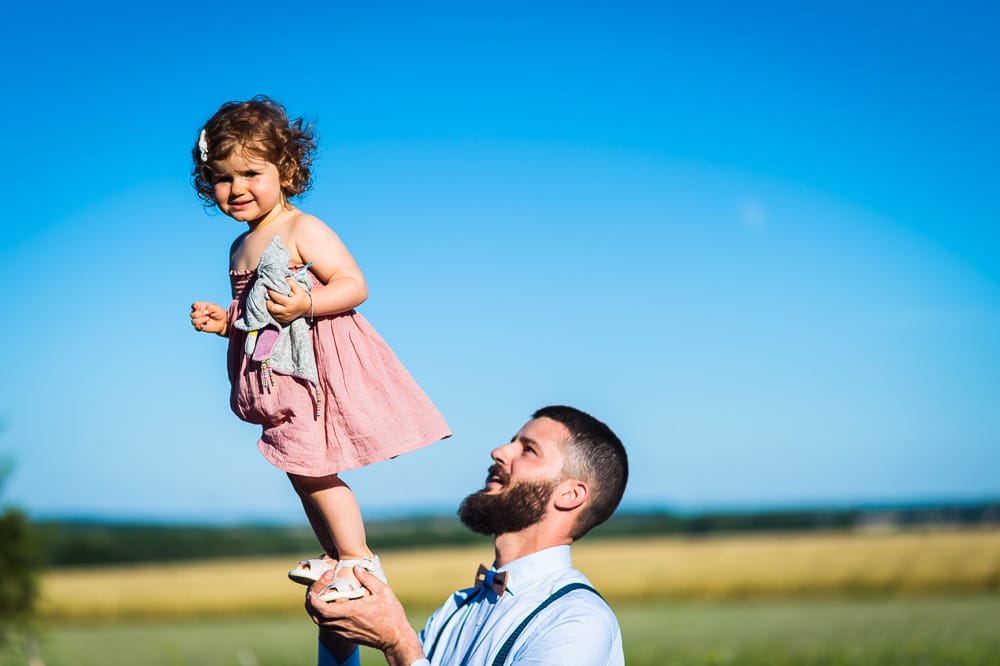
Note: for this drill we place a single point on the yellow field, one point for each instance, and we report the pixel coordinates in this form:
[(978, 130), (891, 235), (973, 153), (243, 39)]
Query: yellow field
[(622, 569)]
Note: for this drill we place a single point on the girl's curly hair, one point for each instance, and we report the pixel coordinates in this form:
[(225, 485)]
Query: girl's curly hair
[(261, 127)]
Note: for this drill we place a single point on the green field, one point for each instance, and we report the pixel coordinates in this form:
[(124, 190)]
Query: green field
[(920, 598), (952, 631)]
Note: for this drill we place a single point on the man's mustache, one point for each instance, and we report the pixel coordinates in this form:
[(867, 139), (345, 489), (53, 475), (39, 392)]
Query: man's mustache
[(498, 472)]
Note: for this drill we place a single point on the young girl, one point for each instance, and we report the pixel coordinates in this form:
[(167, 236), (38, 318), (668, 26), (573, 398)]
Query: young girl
[(328, 392)]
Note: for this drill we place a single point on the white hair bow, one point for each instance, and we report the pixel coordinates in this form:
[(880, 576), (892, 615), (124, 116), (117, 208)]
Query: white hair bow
[(203, 146)]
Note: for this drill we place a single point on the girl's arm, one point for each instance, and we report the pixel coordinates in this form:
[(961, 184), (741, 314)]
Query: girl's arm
[(208, 318), (344, 285)]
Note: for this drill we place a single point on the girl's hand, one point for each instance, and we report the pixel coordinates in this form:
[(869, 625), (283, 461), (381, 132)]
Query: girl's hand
[(208, 318), (291, 307)]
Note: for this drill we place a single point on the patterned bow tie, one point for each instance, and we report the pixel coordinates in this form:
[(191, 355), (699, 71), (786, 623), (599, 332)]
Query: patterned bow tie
[(496, 580)]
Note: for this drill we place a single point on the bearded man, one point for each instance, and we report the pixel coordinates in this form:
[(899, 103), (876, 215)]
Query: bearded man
[(563, 473)]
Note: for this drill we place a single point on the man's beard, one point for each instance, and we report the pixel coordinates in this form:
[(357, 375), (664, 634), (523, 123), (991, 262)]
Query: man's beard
[(512, 509)]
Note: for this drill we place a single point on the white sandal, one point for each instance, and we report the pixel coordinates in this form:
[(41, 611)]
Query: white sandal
[(348, 588), (308, 572)]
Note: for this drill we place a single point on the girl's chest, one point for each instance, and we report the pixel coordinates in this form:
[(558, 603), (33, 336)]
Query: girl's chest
[(247, 251)]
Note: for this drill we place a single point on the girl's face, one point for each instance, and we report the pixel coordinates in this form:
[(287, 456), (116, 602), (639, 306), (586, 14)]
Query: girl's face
[(247, 188)]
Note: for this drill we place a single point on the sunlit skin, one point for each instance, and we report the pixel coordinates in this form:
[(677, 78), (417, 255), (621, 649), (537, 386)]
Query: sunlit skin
[(535, 453), (248, 189)]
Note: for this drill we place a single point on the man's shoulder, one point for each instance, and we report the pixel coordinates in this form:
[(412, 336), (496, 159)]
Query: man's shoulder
[(569, 598), (579, 592), (571, 621)]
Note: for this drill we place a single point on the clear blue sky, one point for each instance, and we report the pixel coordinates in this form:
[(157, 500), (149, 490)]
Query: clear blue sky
[(763, 244)]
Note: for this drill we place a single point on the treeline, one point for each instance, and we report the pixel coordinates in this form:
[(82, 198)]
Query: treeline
[(875, 517), (88, 543)]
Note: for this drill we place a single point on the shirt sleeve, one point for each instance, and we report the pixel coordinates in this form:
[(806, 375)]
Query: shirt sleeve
[(324, 658)]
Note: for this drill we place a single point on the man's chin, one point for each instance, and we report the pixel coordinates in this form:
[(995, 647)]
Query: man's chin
[(500, 509)]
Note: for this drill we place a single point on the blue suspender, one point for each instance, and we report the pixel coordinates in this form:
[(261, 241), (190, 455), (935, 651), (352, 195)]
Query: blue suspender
[(509, 643)]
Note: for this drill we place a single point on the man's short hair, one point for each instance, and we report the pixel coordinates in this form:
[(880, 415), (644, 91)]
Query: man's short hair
[(593, 454)]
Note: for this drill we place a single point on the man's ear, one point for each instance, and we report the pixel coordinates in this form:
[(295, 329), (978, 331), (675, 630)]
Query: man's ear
[(570, 494)]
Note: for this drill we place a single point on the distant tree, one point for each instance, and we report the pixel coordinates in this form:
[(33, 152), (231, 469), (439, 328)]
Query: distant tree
[(18, 556)]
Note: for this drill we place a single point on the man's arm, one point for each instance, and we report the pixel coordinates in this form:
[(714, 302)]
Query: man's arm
[(377, 620)]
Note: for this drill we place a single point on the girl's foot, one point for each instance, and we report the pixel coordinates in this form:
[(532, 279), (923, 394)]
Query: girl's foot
[(345, 585), (308, 572)]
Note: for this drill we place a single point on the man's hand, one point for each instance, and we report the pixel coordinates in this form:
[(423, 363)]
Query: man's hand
[(377, 620)]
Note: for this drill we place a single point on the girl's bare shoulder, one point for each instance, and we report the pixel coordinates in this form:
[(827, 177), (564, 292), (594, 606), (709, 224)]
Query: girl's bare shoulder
[(310, 239), (302, 222), (303, 228)]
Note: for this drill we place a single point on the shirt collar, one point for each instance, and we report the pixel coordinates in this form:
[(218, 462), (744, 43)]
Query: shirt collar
[(524, 571)]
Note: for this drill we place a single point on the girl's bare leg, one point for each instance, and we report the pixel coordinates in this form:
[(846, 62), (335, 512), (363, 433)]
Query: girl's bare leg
[(334, 515), (316, 521)]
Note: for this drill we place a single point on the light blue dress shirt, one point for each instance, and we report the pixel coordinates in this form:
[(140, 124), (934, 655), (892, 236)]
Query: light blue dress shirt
[(578, 629)]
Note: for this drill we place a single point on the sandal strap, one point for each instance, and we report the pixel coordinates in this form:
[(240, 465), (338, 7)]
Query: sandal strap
[(370, 564), (342, 585), (313, 568)]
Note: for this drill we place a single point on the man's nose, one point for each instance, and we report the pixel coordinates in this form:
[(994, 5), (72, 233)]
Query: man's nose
[(501, 453)]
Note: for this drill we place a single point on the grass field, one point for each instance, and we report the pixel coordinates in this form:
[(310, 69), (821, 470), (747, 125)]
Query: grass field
[(656, 568), (934, 631), (901, 598)]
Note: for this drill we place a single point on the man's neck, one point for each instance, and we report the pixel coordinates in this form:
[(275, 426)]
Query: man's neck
[(515, 545)]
